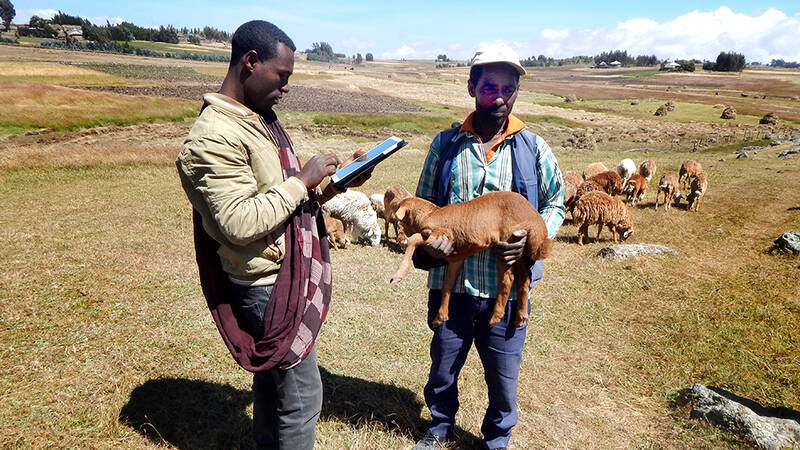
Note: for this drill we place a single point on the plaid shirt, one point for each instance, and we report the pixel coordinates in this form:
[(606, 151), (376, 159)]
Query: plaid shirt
[(472, 177)]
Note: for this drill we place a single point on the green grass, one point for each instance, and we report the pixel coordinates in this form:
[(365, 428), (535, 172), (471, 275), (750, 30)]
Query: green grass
[(550, 120), (642, 73), (684, 111), (404, 122), (164, 47)]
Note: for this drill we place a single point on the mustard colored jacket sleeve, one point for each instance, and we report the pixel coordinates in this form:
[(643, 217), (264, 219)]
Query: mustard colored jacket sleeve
[(220, 173)]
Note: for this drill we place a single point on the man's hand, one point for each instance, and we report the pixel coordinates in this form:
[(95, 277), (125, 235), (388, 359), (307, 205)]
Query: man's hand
[(364, 176), (510, 251), (439, 248), (317, 168)]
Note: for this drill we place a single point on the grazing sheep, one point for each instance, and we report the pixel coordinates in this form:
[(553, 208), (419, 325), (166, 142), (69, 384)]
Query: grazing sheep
[(625, 169), (689, 168), (647, 169), (355, 211), (392, 197), (610, 180), (586, 186), (669, 186), (593, 169), (376, 200), (474, 226), (635, 188), (335, 231), (697, 192), (601, 209), (571, 182)]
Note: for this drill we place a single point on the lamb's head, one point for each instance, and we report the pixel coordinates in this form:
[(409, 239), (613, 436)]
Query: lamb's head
[(411, 213), (366, 228), (625, 225)]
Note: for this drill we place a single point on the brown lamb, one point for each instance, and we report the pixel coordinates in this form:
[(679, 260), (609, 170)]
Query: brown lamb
[(472, 227), (647, 169), (669, 186), (690, 168), (593, 169), (697, 191), (571, 182), (391, 201), (635, 188), (586, 186), (601, 209), (335, 231), (610, 180)]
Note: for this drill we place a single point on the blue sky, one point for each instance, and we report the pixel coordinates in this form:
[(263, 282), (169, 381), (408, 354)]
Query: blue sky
[(417, 29)]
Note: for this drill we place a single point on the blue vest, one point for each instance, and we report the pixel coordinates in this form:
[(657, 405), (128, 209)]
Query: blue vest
[(525, 179)]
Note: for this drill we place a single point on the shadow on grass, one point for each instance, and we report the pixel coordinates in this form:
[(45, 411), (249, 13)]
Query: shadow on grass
[(196, 414)]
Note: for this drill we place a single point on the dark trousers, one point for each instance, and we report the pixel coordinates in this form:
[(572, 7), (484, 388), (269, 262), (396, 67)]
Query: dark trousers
[(500, 351), (286, 403)]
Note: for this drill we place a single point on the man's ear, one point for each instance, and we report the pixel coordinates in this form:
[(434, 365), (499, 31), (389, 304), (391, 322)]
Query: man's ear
[(471, 88), (249, 60)]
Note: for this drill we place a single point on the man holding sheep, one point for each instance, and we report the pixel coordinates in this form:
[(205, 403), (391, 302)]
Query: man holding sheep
[(264, 269), (491, 151)]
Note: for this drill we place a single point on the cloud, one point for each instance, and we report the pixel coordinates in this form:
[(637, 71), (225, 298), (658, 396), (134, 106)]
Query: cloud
[(696, 34), (24, 15), (404, 52)]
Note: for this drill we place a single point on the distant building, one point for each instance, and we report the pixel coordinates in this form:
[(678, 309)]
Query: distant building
[(615, 64), (669, 67), (600, 65)]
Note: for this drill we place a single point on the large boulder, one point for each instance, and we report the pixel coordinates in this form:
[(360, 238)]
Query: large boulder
[(619, 251), (728, 113), (769, 119), (661, 111), (788, 242), (761, 426)]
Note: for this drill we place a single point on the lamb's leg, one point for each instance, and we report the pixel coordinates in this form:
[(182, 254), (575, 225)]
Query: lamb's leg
[(405, 265), (453, 269), (658, 194), (599, 229), (523, 277), (583, 231), (506, 275)]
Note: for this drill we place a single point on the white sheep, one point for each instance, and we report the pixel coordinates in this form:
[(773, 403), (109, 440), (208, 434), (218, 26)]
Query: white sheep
[(625, 169), (353, 208)]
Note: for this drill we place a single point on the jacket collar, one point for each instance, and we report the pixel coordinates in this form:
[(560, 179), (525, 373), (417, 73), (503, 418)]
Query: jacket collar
[(228, 104)]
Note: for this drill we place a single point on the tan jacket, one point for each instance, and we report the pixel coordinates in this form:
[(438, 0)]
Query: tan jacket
[(231, 172)]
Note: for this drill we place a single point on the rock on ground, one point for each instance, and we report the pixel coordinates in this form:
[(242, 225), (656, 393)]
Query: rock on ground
[(728, 113), (788, 242), (619, 251), (788, 152), (734, 413)]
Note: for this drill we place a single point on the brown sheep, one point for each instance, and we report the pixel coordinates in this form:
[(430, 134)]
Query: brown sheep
[(474, 226), (697, 191), (593, 169), (571, 182), (610, 180), (335, 231), (601, 209), (586, 186), (391, 201), (689, 168), (647, 169), (669, 186), (635, 188)]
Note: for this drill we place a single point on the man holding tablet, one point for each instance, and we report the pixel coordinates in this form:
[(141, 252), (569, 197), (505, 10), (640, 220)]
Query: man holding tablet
[(491, 151), (259, 235)]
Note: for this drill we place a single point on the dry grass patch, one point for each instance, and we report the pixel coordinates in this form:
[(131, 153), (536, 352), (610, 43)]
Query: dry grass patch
[(32, 106), (54, 73)]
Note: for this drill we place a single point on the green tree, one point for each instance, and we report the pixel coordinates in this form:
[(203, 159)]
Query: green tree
[(369, 57), (729, 62), (359, 59), (686, 66), (6, 13)]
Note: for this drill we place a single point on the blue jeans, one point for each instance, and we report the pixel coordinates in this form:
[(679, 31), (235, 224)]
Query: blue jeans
[(286, 403), (500, 350)]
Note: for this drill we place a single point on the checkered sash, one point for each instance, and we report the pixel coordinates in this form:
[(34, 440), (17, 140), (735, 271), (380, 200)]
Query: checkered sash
[(300, 298)]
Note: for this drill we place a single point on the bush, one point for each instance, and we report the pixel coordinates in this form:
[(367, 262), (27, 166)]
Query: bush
[(113, 47), (726, 62), (686, 66), (35, 32), (4, 40), (368, 57)]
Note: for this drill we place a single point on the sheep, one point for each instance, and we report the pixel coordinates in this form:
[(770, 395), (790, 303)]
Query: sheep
[(355, 211), (392, 197), (647, 169), (586, 186), (474, 226), (335, 231), (601, 209), (626, 168), (635, 188), (376, 200), (571, 182), (669, 186), (698, 191), (610, 180), (689, 168), (593, 169)]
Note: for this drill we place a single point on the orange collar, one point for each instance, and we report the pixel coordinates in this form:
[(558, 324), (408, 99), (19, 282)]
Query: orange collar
[(513, 125)]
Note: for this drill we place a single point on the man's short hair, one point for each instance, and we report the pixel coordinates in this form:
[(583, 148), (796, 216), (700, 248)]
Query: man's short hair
[(258, 35), (475, 73)]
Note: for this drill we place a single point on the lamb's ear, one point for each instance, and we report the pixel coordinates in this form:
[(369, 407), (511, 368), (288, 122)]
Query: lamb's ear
[(400, 213), (426, 233)]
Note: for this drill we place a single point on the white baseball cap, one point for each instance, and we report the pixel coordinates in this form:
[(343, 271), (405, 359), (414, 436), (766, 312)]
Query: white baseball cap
[(497, 52)]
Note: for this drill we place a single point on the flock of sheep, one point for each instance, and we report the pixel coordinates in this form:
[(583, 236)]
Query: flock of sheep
[(590, 198)]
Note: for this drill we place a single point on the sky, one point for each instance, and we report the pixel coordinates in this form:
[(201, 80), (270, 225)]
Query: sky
[(424, 29)]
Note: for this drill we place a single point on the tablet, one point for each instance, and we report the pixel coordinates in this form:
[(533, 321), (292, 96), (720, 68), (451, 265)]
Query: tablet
[(368, 160)]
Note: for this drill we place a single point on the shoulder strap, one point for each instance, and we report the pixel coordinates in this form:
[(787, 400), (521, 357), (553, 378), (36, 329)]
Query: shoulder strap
[(448, 148)]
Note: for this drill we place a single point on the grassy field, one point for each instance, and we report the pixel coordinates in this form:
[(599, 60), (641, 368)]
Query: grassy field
[(105, 339)]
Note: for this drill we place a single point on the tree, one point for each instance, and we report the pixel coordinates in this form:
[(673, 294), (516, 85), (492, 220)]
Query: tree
[(369, 57), (686, 66), (359, 59), (442, 57), (6, 13)]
